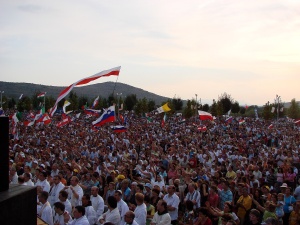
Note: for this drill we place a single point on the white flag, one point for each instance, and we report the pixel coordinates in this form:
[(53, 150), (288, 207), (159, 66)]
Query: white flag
[(273, 110), (20, 96)]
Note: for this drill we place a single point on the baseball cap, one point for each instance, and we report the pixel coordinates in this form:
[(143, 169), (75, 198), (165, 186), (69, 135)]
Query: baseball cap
[(148, 185)]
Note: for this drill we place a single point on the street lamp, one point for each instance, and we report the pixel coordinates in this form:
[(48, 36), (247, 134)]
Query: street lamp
[(1, 97), (118, 99), (277, 100)]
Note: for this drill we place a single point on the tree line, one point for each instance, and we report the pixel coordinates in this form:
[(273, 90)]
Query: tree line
[(219, 107)]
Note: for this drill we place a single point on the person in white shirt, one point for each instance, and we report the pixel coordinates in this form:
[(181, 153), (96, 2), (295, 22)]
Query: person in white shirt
[(63, 198), (79, 217), (172, 201), (90, 212), (42, 181), (45, 211), (122, 206), (97, 201), (113, 214), (60, 213), (27, 179), (140, 210), (13, 176), (193, 195), (161, 217), (55, 189), (54, 170), (75, 192), (129, 218)]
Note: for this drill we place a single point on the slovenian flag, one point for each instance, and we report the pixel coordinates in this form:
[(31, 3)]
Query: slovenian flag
[(93, 112), (95, 103), (229, 120), (204, 115), (107, 116), (119, 129)]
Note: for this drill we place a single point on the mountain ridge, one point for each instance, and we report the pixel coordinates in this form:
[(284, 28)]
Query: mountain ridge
[(15, 89)]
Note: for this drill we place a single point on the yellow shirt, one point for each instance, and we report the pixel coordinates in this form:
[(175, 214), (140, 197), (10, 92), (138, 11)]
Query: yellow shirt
[(247, 203)]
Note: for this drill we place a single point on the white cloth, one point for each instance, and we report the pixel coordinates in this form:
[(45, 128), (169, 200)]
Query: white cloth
[(45, 213), (141, 214), (123, 208), (173, 201), (54, 193), (75, 201), (29, 183), (68, 206), (112, 216), (98, 204), (60, 218), (90, 213), (164, 219), (43, 184), (80, 221), (14, 179)]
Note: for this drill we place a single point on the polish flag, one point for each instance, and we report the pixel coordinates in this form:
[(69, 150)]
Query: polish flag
[(111, 72), (271, 126), (204, 115)]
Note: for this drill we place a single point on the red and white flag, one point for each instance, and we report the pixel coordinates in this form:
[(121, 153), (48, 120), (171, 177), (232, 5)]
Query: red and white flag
[(202, 128), (111, 72), (297, 122), (41, 95), (65, 120), (271, 126), (204, 115)]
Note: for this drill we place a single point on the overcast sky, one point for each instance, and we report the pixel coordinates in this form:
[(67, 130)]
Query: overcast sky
[(247, 48)]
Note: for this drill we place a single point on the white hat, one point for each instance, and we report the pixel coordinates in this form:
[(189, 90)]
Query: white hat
[(284, 185), (42, 165), (36, 162)]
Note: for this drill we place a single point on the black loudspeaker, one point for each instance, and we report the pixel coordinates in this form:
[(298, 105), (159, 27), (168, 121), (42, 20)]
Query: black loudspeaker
[(4, 153)]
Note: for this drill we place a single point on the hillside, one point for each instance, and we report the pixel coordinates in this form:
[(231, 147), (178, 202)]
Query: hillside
[(91, 91)]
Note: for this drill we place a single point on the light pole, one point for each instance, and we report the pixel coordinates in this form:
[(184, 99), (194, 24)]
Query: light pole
[(277, 100), (118, 99), (196, 104), (1, 97)]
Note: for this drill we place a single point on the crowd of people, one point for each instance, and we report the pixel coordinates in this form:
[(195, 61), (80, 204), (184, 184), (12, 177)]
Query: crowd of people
[(235, 173)]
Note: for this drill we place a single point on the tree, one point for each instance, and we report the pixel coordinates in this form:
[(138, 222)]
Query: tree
[(266, 113), (141, 107), (294, 110), (11, 103), (188, 112), (177, 103), (235, 107), (130, 101), (242, 110), (151, 105), (24, 104), (226, 102), (214, 108), (205, 107)]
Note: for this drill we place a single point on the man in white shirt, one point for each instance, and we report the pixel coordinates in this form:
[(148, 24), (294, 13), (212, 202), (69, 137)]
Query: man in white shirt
[(172, 201), (140, 210), (45, 211), (54, 170), (42, 181), (60, 213), (27, 179), (90, 212), (161, 217), (97, 201), (122, 206), (75, 192), (129, 219), (63, 198), (79, 217), (113, 214), (55, 189)]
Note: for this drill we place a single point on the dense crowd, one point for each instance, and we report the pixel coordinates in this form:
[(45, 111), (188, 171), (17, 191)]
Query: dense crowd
[(233, 173)]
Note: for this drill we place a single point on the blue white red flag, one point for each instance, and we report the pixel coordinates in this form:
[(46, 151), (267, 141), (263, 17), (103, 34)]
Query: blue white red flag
[(229, 120), (92, 112), (119, 129), (107, 116)]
